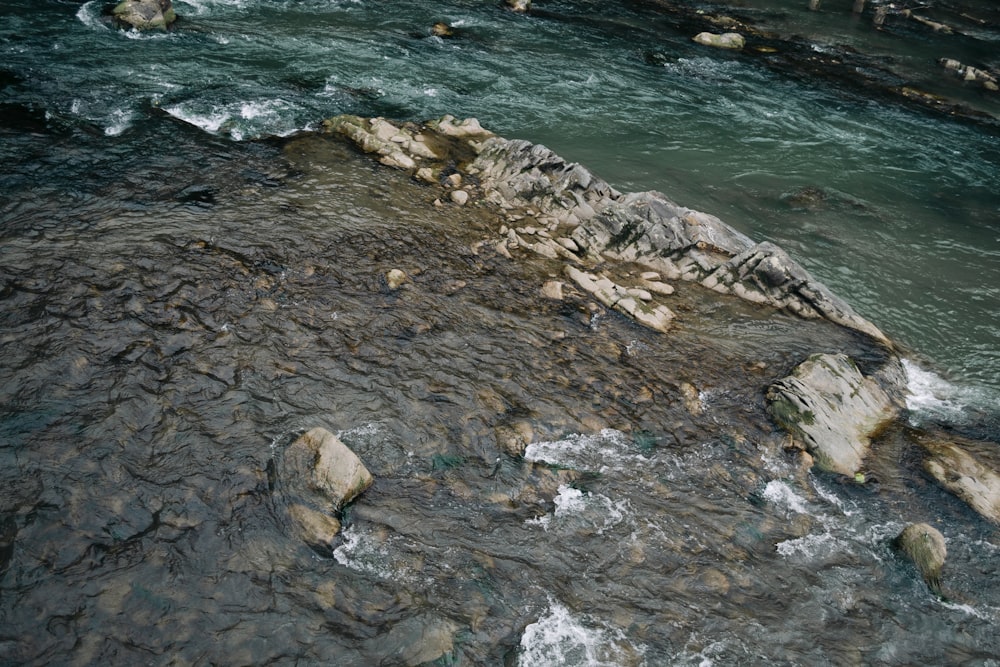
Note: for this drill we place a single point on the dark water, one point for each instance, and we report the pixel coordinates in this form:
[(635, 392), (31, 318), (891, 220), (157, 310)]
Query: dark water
[(178, 304)]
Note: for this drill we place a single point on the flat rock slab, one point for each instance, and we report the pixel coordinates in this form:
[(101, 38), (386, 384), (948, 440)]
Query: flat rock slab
[(965, 475)]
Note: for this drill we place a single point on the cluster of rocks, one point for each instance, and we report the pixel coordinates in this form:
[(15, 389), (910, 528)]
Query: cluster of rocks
[(847, 67), (987, 80), (563, 212), (560, 210)]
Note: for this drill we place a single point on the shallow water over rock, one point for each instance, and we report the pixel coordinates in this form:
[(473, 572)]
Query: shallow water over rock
[(166, 342)]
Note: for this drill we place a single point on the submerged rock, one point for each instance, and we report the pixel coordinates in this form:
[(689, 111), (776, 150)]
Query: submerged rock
[(925, 546), (145, 14), (832, 410)]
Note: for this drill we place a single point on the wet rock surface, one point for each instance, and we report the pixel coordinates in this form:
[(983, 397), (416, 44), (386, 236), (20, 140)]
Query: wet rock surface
[(559, 209), (925, 546)]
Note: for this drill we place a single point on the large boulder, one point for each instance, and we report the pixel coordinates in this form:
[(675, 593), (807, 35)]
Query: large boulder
[(965, 474), (145, 14), (319, 475), (832, 410), (925, 546)]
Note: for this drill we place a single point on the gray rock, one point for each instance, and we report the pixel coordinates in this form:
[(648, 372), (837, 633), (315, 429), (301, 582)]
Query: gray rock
[(832, 410), (925, 546), (145, 14), (727, 40), (586, 219), (965, 475)]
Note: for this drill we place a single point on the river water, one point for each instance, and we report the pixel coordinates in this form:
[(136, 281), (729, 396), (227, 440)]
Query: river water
[(189, 282)]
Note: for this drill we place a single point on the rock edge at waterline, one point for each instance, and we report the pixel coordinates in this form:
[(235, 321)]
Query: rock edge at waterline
[(559, 210)]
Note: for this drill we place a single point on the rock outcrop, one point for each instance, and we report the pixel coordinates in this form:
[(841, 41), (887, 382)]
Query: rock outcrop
[(319, 475), (145, 14), (925, 546), (832, 410), (560, 210)]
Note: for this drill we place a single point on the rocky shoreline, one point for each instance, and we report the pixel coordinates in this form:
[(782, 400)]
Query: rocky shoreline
[(621, 249)]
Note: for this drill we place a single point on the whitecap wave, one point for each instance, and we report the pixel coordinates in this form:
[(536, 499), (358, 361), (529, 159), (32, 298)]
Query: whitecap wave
[(240, 120), (559, 638), (607, 451), (931, 396), (89, 14)]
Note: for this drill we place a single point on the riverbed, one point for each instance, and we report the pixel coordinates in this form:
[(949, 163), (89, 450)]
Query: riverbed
[(191, 278)]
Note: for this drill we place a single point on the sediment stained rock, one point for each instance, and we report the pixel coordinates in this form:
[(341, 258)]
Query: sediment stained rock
[(965, 473), (145, 14)]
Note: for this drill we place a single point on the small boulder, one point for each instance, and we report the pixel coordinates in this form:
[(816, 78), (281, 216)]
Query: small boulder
[(145, 14), (553, 289), (521, 6), (925, 546), (832, 409), (395, 278), (441, 29), (727, 40), (460, 197)]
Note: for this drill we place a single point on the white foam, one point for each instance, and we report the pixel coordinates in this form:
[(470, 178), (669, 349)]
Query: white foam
[(558, 638), (360, 552), (603, 452), (810, 545), (779, 493), (575, 509), (929, 394), (119, 121)]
